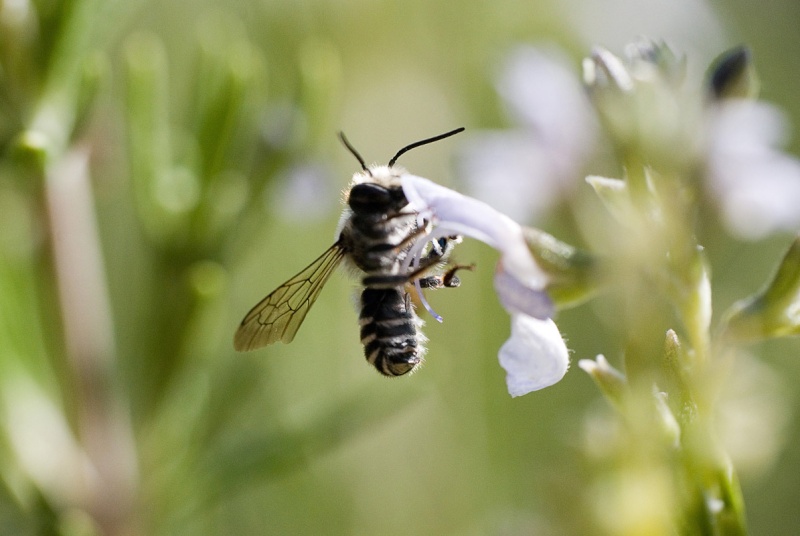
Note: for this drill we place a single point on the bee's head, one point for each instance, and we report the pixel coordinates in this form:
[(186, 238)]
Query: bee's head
[(381, 192), (378, 189)]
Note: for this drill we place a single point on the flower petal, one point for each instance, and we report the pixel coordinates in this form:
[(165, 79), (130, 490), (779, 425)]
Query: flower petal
[(519, 298), (534, 357), (454, 213)]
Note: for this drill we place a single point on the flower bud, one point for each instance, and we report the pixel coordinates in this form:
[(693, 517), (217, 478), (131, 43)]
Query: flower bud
[(604, 70), (643, 105), (614, 195), (611, 382), (667, 421), (732, 75)]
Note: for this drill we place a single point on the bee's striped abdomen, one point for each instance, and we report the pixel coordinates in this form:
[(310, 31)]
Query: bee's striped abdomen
[(388, 331)]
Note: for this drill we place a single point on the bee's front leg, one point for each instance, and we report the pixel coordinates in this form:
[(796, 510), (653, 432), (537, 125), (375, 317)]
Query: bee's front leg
[(449, 279)]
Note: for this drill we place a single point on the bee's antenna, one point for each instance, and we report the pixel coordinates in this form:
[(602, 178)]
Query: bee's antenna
[(423, 142), (354, 152)]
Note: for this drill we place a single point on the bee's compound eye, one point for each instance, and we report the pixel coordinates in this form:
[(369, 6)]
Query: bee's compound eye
[(368, 197)]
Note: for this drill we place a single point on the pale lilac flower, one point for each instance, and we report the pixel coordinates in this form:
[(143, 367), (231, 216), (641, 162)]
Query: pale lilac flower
[(756, 186), (303, 192), (524, 171), (535, 356)]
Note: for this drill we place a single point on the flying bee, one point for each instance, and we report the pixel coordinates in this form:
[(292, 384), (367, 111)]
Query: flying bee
[(376, 232)]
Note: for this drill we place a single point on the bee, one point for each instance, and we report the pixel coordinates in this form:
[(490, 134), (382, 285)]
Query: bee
[(376, 232)]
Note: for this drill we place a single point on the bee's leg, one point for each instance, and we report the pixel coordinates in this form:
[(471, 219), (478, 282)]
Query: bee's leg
[(449, 279), (440, 250), (396, 280), (433, 281), (408, 240), (442, 247)]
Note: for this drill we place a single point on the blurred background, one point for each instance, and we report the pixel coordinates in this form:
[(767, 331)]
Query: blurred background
[(167, 164)]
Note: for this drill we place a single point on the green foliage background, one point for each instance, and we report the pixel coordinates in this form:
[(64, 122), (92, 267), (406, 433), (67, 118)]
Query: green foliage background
[(193, 114)]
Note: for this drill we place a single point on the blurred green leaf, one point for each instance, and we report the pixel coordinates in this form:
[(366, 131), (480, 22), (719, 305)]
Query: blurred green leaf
[(149, 139), (775, 310)]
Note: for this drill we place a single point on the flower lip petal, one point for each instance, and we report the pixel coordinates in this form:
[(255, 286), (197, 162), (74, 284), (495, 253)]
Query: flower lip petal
[(534, 357)]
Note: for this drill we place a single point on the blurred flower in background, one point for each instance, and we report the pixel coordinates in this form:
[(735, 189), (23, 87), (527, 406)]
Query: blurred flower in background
[(526, 170), (754, 184)]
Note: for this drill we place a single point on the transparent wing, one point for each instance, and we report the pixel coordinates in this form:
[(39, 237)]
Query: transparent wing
[(278, 316)]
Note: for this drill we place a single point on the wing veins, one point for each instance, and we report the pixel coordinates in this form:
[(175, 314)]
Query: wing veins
[(268, 322)]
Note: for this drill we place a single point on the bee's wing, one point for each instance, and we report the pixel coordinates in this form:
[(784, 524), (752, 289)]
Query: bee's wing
[(278, 316)]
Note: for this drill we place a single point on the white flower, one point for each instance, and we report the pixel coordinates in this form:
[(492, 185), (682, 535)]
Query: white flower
[(756, 186), (526, 170), (535, 356)]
